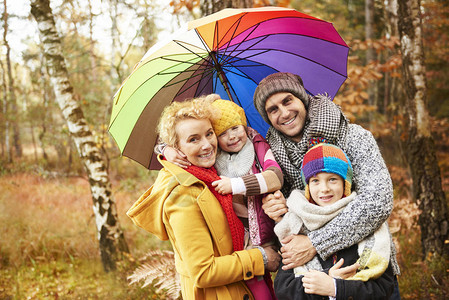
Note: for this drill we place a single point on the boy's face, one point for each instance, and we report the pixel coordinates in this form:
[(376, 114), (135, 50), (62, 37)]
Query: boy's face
[(287, 114), (233, 139), (326, 188)]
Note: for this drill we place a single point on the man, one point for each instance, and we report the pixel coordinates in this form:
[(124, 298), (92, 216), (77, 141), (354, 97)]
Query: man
[(295, 119)]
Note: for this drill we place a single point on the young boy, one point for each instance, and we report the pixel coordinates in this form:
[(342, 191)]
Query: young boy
[(248, 170), (327, 175)]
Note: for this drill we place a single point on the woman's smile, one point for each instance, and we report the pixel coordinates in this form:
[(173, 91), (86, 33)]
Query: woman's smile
[(197, 141)]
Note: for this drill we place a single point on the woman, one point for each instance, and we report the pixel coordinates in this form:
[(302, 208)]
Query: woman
[(182, 206)]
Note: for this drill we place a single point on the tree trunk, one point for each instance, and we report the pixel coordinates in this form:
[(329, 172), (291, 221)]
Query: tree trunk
[(420, 146), (45, 99), (92, 57), (369, 25), (109, 233), (391, 11), (370, 53), (6, 148), (391, 94), (11, 93), (212, 6)]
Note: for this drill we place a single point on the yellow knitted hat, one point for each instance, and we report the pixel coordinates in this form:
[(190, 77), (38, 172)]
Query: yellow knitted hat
[(231, 115)]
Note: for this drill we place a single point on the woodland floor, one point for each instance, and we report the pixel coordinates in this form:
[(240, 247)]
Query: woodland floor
[(49, 249)]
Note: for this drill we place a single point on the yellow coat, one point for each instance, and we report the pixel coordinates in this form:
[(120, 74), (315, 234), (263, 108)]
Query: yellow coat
[(181, 208)]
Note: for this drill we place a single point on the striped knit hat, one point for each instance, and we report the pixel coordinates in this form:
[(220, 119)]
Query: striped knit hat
[(326, 158), (231, 115)]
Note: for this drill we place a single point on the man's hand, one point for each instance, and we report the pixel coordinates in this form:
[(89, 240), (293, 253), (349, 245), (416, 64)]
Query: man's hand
[(275, 205), (274, 258), (318, 283), (176, 156), (223, 186), (297, 251), (343, 273)]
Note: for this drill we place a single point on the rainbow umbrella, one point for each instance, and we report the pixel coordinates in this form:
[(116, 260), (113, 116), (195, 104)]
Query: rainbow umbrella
[(227, 53)]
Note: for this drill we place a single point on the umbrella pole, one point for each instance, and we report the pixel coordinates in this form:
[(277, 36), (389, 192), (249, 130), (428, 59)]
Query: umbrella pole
[(221, 75)]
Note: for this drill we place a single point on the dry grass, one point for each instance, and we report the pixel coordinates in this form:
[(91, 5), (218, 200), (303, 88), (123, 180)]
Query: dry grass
[(46, 219), (49, 247), (419, 279)]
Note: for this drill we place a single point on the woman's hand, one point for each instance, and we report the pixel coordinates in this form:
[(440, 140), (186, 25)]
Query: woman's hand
[(274, 258), (223, 186), (275, 205), (176, 156), (318, 283), (343, 273), (297, 251)]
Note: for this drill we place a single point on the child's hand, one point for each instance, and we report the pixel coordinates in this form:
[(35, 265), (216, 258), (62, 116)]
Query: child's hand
[(319, 283), (223, 186), (176, 156), (343, 273), (275, 205)]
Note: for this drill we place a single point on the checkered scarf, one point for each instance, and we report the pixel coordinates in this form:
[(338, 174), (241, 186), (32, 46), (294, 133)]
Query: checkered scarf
[(324, 119)]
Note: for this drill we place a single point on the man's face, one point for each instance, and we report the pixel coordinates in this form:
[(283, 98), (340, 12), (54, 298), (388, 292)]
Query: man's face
[(287, 114)]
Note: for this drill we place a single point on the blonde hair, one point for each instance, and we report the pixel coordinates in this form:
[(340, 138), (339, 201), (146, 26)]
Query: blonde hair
[(197, 108)]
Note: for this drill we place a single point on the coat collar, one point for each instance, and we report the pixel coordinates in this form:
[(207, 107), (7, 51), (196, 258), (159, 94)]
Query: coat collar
[(181, 175)]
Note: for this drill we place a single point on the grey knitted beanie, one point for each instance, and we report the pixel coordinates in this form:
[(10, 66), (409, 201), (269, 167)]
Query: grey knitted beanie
[(275, 83)]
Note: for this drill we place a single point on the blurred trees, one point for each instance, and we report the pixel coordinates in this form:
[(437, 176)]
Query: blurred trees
[(419, 144), (211, 6), (109, 232), (102, 41), (389, 116), (11, 117)]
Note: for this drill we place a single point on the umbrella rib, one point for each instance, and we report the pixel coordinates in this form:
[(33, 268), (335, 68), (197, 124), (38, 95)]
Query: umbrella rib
[(245, 39), (183, 61), (180, 43), (201, 75), (249, 48), (254, 27), (196, 93), (237, 24), (262, 51)]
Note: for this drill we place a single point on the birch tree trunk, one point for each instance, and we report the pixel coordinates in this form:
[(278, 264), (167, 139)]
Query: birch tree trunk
[(392, 91), (109, 233), (420, 148), (212, 6)]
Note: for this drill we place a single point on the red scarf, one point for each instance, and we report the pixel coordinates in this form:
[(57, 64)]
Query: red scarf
[(235, 225)]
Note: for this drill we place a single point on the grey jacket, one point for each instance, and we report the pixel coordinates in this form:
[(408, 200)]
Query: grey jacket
[(372, 181)]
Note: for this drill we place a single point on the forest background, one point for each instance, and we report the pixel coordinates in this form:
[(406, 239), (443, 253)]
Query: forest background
[(50, 234)]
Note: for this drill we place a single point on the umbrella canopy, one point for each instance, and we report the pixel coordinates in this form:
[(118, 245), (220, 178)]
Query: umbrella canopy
[(227, 53)]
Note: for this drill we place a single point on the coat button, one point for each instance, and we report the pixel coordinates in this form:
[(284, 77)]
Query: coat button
[(246, 297), (249, 274)]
